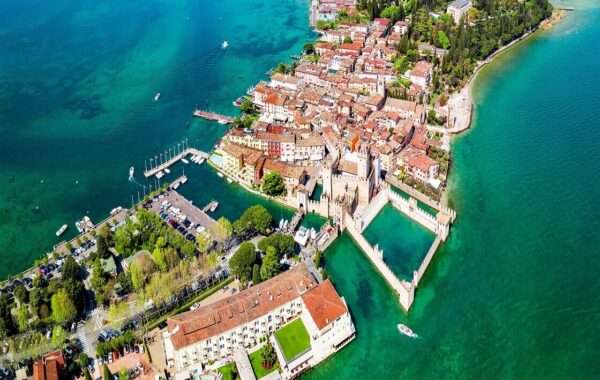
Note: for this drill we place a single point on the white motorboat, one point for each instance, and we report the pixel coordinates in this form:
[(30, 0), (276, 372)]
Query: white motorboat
[(214, 206), (224, 44), (61, 230), (78, 226), (406, 331), (88, 221), (167, 171), (229, 180), (176, 185), (201, 160), (185, 161), (183, 180), (131, 171), (157, 96), (116, 210), (220, 174)]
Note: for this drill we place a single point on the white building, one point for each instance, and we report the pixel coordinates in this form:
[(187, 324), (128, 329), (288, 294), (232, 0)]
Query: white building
[(213, 332), (458, 8)]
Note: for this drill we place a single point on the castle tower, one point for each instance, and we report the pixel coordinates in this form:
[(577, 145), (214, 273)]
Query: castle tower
[(364, 161), (327, 174)]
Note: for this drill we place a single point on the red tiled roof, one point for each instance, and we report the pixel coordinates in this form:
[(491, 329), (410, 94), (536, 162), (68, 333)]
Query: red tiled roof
[(324, 304), (248, 305)]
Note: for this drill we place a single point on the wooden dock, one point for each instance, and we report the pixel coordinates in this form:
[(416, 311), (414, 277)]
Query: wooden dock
[(174, 159)]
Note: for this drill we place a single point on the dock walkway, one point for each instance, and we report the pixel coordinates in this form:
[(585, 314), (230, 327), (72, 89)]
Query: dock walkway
[(174, 159), (222, 119)]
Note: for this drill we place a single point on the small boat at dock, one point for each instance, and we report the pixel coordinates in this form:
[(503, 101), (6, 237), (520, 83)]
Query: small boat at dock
[(214, 206), (238, 102), (185, 161), (220, 174), (79, 226), (406, 331), (61, 230), (116, 210), (88, 222), (183, 180), (296, 57), (229, 180), (175, 186), (131, 171), (160, 174), (167, 171)]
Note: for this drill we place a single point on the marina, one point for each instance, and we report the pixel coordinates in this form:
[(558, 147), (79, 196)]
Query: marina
[(163, 166)]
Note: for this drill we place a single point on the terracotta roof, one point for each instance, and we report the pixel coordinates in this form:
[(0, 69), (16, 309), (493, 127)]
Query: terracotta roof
[(324, 304), (226, 314), (421, 69), (275, 99), (422, 162)]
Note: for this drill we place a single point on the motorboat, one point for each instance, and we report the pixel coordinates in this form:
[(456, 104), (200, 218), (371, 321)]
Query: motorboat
[(229, 180), (183, 180), (167, 170), (406, 331), (201, 161), (157, 96), (61, 230), (78, 226), (214, 206), (116, 210), (222, 121), (238, 102), (225, 44), (131, 171), (176, 185), (220, 174), (185, 161), (88, 221)]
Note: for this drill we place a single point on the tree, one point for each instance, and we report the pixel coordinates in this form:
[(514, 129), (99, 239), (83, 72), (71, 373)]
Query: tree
[(443, 39), (213, 259), (160, 259), (273, 184), (107, 375), (241, 262), (83, 359), (268, 356), (63, 308), (86, 374), (102, 247), (318, 259), (222, 230), (117, 313), (21, 294), (247, 106), (71, 270), (203, 242), (124, 281), (123, 374), (59, 336), (255, 219), (23, 317), (98, 279), (256, 275), (138, 277), (76, 291), (391, 12), (270, 264), (284, 244), (347, 40), (309, 48)]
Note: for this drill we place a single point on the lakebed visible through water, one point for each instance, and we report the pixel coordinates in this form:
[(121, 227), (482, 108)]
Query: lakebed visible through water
[(514, 291)]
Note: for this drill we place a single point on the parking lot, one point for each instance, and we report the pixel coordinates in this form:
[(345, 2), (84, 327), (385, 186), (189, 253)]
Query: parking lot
[(181, 214)]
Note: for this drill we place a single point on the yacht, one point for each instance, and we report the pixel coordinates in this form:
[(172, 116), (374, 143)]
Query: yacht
[(406, 331), (79, 227), (238, 102), (214, 206), (176, 185), (157, 96), (183, 180), (131, 171), (88, 221), (224, 44), (61, 230), (116, 210)]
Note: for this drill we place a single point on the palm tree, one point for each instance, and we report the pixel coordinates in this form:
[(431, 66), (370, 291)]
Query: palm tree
[(268, 356)]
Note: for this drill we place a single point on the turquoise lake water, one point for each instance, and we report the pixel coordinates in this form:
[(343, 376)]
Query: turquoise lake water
[(514, 293)]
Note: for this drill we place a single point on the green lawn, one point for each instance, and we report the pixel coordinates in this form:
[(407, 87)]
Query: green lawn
[(259, 371), (293, 339), (226, 370)]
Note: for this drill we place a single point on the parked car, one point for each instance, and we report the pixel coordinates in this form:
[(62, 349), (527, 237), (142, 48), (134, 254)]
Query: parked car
[(91, 368)]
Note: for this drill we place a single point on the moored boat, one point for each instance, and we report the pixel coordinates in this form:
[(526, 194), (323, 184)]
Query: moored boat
[(78, 226), (131, 171), (61, 230), (183, 180), (167, 171), (238, 102), (220, 174), (116, 210), (214, 206), (185, 161)]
